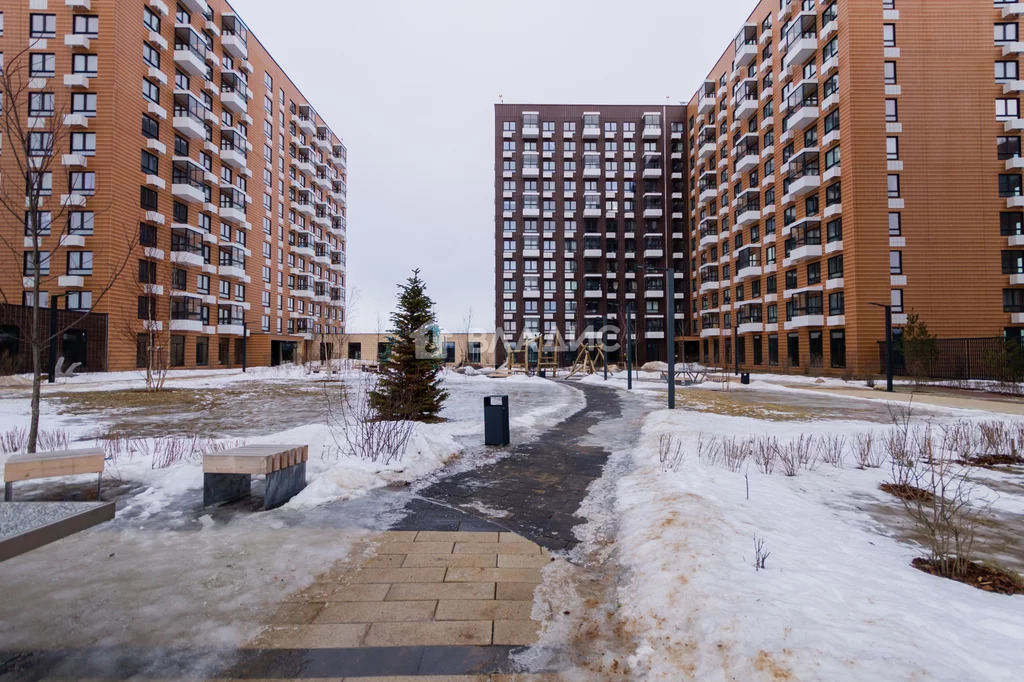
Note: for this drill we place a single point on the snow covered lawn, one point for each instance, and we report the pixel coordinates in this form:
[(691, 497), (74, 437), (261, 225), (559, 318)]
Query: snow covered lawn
[(838, 598)]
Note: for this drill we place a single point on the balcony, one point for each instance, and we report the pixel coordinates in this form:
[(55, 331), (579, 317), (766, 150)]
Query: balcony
[(234, 36), (189, 51), (707, 143), (232, 155), (706, 101), (187, 182), (652, 167), (748, 153), (803, 107), (306, 121), (652, 126), (748, 212), (232, 205), (189, 116), (800, 39), (747, 102), (746, 46), (340, 156)]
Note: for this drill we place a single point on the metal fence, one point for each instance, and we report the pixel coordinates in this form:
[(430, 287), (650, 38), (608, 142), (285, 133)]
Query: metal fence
[(991, 358), (81, 337)]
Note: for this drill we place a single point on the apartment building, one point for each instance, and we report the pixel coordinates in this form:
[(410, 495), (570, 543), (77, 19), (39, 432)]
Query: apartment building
[(195, 176), (590, 206), (848, 154)]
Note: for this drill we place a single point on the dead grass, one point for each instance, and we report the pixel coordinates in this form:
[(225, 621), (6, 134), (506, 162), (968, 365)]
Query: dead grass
[(738, 404)]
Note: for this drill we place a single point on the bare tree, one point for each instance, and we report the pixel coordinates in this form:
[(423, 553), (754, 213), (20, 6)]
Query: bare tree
[(151, 330), (467, 329), (36, 136)]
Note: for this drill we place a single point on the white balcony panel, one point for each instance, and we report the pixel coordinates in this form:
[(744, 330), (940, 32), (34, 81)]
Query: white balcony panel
[(190, 62), (803, 253), (805, 321), (234, 46), (800, 51), (750, 327), (803, 117), (190, 127)]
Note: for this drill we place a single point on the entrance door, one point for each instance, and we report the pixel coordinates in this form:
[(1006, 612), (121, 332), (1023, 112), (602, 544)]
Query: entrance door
[(73, 347)]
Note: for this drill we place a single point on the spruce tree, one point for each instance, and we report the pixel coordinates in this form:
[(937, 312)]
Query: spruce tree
[(409, 387)]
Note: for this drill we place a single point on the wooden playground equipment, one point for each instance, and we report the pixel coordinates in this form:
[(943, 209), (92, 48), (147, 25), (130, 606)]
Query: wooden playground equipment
[(545, 355), (588, 359)]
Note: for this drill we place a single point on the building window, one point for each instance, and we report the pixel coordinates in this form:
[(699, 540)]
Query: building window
[(896, 299), (40, 104), (177, 351), (80, 263), (1005, 33), (85, 64), (1006, 71), (150, 163), (890, 73), (43, 25), (147, 199), (1008, 147), (895, 225), (151, 19), (83, 143), (837, 348), (889, 35), (202, 350), (892, 148), (894, 186), (150, 91), (78, 300), (891, 111), (150, 55)]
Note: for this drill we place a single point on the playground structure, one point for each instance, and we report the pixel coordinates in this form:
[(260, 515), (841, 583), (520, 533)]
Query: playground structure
[(534, 355), (588, 359)]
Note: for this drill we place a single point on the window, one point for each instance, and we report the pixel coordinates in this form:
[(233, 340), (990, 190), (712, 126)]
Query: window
[(150, 163), (178, 351), (1009, 185), (203, 350), (895, 225), (891, 111), (40, 104), (895, 262), (834, 231), (894, 186), (889, 35), (1007, 107), (832, 157), (86, 24), (892, 148), (82, 182), (1013, 300), (45, 219), (837, 347), (41, 65), (835, 267), (833, 194), (80, 262), (40, 144), (836, 303), (832, 121), (83, 143), (83, 103), (78, 300), (80, 222), (150, 127), (1006, 71), (150, 91), (1005, 33), (890, 73), (29, 263), (1011, 223), (151, 55), (43, 25), (147, 199), (151, 19), (84, 63), (896, 300)]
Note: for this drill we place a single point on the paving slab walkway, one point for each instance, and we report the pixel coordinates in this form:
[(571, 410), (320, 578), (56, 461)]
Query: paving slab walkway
[(448, 592)]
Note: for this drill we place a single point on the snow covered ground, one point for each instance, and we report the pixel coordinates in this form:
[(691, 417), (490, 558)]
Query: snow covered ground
[(838, 598), (170, 586)]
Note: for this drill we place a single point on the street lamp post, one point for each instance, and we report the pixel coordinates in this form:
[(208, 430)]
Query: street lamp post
[(670, 315), (52, 374), (604, 343), (629, 347), (888, 345)]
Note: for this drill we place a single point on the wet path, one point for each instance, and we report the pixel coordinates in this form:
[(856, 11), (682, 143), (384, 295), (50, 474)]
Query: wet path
[(535, 490)]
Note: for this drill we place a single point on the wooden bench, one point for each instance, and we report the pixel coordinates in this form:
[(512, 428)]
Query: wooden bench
[(25, 467), (227, 475)]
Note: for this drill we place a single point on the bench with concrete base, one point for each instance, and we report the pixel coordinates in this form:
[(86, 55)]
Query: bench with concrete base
[(25, 467), (227, 475)]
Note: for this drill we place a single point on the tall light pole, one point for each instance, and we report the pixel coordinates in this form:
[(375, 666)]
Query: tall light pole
[(888, 344), (629, 346), (670, 315)]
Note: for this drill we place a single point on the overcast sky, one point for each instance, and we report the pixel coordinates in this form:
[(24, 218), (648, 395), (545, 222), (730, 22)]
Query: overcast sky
[(411, 88)]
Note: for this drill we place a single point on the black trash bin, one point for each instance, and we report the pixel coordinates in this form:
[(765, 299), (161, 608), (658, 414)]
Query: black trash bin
[(496, 431), (744, 377)]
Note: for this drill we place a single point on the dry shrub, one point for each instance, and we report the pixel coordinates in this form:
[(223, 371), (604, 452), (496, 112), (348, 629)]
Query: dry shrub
[(162, 452), (735, 452), (864, 450), (831, 449), (789, 459), (709, 451), (670, 452), (357, 427), (766, 453), (798, 454), (13, 439), (58, 439)]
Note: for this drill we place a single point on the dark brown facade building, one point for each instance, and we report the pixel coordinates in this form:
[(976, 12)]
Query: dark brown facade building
[(840, 155), (590, 211)]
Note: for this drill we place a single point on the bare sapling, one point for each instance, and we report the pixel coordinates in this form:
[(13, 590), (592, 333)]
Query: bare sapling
[(863, 450), (709, 450), (789, 459), (760, 554)]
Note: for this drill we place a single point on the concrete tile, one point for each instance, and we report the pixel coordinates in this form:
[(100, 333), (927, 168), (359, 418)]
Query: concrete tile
[(318, 591), (295, 613), (471, 609), (365, 592), (447, 633), (416, 548), (384, 561), (477, 560), (515, 632), (497, 575), (435, 591), (522, 560), (511, 537), (396, 536), (515, 591), (401, 575), (376, 611), (315, 636), (489, 548), (455, 536)]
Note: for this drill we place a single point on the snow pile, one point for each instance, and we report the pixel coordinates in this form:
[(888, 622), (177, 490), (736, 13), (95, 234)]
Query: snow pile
[(837, 599)]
